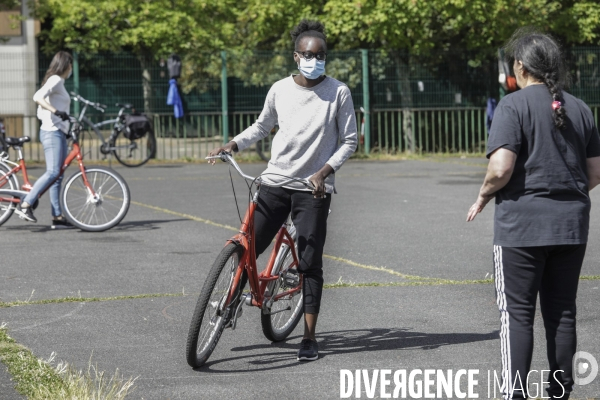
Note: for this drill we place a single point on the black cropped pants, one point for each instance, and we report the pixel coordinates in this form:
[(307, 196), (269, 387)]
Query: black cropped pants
[(520, 274), (309, 215)]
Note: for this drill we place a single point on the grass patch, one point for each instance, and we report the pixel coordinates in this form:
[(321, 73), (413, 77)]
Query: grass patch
[(412, 280), (39, 380), (85, 299), (590, 277), (348, 284)]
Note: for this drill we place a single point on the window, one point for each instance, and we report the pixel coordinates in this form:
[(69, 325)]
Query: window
[(10, 25)]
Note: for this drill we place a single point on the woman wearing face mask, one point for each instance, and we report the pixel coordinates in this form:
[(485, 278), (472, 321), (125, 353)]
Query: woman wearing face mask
[(53, 110), (544, 152), (314, 112)]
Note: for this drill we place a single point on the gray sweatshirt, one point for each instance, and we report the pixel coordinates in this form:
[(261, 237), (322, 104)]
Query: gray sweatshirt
[(316, 126)]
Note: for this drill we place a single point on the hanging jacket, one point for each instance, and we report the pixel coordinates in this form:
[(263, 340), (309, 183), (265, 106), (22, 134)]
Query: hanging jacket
[(173, 99)]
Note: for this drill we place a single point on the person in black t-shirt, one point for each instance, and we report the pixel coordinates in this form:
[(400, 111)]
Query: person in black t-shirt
[(544, 151)]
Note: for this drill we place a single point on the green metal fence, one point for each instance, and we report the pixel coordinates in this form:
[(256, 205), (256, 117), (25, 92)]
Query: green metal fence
[(396, 79), (435, 130), (418, 130), (419, 105)]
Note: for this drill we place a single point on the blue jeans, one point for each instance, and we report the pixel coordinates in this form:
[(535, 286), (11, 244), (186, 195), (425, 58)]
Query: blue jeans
[(55, 151)]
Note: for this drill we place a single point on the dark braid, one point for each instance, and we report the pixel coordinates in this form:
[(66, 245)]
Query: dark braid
[(543, 60), (308, 28), (555, 90)]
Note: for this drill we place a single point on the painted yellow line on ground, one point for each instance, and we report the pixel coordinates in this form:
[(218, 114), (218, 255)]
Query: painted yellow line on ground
[(188, 216), (231, 228), (380, 269), (437, 281)]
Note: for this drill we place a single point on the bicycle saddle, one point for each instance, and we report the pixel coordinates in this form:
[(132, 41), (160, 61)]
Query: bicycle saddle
[(126, 105), (13, 141)]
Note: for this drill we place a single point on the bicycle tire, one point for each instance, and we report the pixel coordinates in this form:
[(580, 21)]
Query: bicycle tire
[(201, 344), (110, 205), (277, 327), (144, 150), (12, 183)]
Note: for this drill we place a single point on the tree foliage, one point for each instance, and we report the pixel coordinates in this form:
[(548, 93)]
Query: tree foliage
[(480, 25), (159, 27), (199, 29)]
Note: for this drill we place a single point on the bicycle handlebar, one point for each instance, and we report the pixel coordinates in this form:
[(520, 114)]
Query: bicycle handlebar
[(97, 106), (228, 158)]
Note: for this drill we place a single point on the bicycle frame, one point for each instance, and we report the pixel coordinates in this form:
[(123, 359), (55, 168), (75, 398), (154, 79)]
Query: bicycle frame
[(26, 187), (259, 281), (107, 146), (96, 127)]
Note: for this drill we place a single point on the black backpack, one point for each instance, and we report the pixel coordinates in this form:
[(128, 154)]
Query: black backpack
[(136, 126)]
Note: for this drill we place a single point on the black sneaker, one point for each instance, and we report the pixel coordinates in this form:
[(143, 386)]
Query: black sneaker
[(61, 224), (309, 350), (25, 213)]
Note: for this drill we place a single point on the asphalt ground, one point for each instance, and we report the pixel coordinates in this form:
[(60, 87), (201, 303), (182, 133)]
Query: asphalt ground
[(389, 220)]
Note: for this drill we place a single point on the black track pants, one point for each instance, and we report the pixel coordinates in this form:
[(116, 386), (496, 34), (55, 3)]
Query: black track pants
[(309, 215), (520, 274)]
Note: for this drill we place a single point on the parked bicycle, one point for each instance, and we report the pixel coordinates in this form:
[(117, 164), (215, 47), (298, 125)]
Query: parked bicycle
[(93, 199), (131, 140), (277, 290)]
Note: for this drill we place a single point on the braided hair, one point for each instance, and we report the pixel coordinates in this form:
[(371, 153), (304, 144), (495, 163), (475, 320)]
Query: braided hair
[(308, 28), (543, 60)]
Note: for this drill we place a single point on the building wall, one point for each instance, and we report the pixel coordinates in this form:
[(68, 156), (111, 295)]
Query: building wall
[(18, 76)]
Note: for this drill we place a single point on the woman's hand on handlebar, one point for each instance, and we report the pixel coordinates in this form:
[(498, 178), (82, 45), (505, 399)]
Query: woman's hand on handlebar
[(229, 147), (62, 115)]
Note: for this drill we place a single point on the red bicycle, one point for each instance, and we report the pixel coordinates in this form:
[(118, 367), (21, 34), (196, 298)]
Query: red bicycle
[(277, 290), (93, 199)]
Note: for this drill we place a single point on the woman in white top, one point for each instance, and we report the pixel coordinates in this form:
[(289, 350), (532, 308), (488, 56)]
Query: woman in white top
[(53, 111)]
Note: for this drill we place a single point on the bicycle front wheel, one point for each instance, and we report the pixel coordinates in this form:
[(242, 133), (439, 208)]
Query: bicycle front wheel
[(211, 313), (136, 152), (280, 320), (9, 182), (98, 211)]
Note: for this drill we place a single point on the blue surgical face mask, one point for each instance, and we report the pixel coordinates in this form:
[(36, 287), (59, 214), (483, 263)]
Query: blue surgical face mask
[(311, 69), (70, 73)]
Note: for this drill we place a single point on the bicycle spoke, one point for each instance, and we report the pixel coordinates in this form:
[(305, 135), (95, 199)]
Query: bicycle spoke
[(93, 206), (218, 296)]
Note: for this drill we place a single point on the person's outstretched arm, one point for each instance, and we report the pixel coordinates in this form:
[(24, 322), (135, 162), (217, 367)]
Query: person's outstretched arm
[(500, 169)]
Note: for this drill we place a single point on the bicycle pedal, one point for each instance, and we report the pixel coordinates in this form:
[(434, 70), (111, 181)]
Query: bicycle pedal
[(291, 278)]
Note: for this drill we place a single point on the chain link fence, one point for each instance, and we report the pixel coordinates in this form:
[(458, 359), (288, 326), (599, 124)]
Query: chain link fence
[(417, 104)]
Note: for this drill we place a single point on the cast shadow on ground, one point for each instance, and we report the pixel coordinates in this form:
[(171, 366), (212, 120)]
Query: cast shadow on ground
[(344, 342), (145, 225), (164, 166), (127, 226)]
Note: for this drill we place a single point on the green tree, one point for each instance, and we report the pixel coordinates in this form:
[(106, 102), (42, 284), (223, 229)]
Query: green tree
[(260, 28), (422, 25), (429, 32), (151, 29)]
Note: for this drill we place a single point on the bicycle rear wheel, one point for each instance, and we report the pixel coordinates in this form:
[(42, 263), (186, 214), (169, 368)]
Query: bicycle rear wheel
[(211, 313), (281, 319), (98, 212), (9, 182), (136, 152)]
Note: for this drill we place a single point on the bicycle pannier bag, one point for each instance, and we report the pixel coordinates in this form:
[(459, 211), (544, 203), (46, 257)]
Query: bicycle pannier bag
[(136, 126)]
